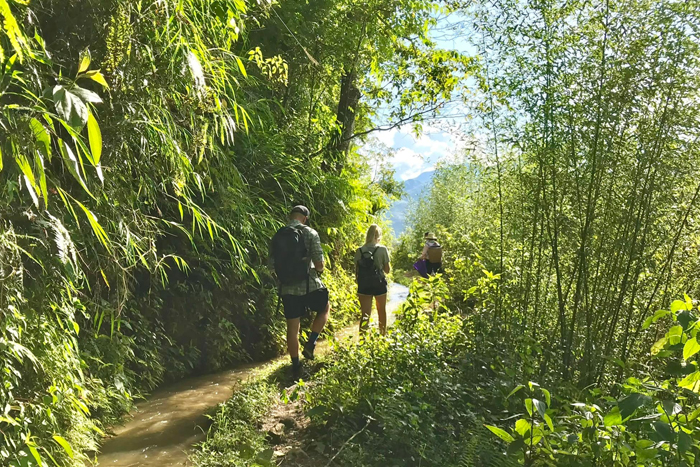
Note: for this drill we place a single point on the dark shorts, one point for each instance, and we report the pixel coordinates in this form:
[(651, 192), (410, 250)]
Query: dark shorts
[(433, 268), (373, 290), (295, 306)]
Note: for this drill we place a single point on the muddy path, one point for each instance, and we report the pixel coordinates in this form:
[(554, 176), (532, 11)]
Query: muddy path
[(166, 425)]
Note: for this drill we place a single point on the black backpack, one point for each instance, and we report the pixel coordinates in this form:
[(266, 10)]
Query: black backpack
[(289, 252), (368, 274)]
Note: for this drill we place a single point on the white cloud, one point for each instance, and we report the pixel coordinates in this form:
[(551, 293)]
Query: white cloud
[(415, 155), (408, 163), (387, 137)]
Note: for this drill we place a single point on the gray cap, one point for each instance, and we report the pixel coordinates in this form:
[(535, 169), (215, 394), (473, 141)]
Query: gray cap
[(301, 210)]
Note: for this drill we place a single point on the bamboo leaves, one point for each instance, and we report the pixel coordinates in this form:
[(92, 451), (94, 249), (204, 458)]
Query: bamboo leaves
[(13, 32), (95, 139), (64, 444), (72, 164), (29, 179), (42, 137)]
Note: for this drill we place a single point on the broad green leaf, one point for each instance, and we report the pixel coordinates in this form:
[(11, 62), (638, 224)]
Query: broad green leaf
[(547, 396), (95, 138), (522, 426), (657, 316), (691, 382), (548, 420), (97, 77), (675, 334), (528, 406), (64, 104), (504, 435), (70, 107), (678, 305), (631, 403), (659, 345), (515, 447), (540, 406), (685, 442), (265, 456), (86, 95), (613, 417), (517, 388), (690, 348), (664, 430), (64, 444)]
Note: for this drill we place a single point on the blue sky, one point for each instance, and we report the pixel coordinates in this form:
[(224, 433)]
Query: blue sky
[(415, 155)]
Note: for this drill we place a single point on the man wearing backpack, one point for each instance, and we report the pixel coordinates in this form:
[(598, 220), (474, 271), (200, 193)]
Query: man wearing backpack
[(297, 258), (432, 254)]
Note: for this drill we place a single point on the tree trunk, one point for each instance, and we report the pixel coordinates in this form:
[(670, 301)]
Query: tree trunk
[(347, 106)]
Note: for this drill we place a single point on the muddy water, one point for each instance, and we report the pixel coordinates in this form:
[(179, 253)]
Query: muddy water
[(165, 426)]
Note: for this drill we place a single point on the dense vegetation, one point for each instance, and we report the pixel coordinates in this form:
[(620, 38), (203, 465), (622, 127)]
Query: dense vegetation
[(148, 151), (150, 148), (566, 333), (574, 228)]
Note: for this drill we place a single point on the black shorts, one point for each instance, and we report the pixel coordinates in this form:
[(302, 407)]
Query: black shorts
[(373, 290), (295, 306), (433, 268)]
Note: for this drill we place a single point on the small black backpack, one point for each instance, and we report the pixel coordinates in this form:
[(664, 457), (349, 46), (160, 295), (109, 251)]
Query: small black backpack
[(289, 252), (368, 274)]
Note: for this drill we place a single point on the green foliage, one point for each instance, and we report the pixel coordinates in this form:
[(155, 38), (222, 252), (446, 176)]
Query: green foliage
[(649, 419), (148, 151), (235, 437), (406, 390)]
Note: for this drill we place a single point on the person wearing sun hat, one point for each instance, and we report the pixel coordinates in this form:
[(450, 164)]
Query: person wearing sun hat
[(432, 254)]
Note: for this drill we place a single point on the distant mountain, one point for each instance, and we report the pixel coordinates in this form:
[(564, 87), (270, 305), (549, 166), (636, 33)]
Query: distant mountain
[(413, 187)]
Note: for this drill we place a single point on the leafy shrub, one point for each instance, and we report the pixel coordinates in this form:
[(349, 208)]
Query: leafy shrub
[(650, 419), (404, 392), (235, 438)]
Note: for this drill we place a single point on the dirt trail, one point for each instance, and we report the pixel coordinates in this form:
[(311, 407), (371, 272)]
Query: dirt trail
[(165, 426)]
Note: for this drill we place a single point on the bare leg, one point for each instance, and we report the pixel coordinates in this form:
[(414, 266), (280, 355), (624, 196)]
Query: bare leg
[(293, 337), (321, 319), (381, 312), (366, 308)]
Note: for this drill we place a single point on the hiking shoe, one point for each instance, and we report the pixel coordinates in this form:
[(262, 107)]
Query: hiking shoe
[(296, 372), (308, 351)]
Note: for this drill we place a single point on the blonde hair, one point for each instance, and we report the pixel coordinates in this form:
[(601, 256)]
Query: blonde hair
[(374, 234)]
